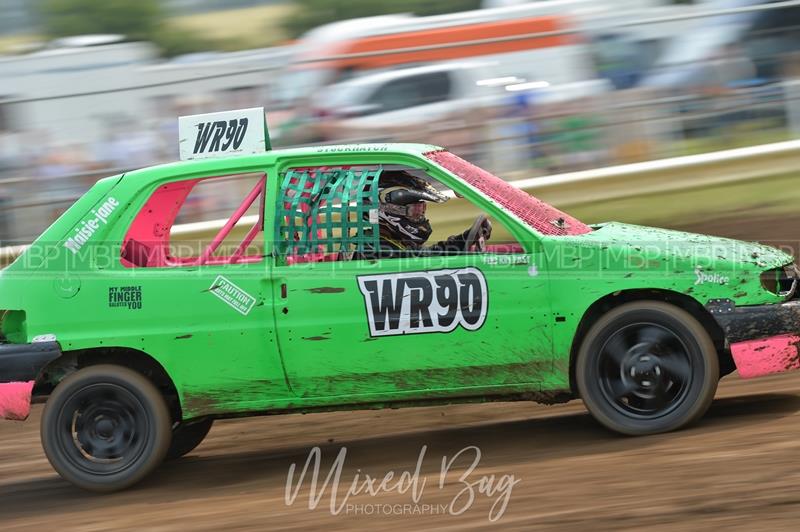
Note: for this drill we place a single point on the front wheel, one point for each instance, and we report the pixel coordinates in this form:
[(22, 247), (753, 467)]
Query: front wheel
[(647, 367), (105, 428)]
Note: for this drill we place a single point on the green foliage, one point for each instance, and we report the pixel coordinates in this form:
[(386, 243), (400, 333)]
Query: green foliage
[(312, 13), (173, 41), (135, 18), (145, 19)]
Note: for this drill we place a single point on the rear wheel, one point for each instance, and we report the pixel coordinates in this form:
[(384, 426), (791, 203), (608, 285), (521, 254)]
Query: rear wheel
[(186, 436), (105, 428), (647, 367)]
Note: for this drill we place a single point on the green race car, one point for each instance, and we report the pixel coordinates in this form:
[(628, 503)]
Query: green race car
[(310, 297)]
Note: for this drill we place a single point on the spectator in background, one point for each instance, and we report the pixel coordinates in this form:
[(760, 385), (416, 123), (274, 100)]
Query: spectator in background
[(127, 147), (578, 135), (167, 110), (515, 133), (58, 171), (21, 150), (9, 151), (523, 105), (791, 75), (730, 69), (61, 159)]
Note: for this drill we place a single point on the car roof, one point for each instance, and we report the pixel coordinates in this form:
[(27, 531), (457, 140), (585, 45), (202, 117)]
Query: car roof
[(246, 162)]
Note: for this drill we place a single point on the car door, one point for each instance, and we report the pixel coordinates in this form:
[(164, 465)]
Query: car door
[(415, 326), (204, 308)]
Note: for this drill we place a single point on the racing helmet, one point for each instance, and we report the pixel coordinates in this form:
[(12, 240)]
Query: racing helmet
[(401, 212)]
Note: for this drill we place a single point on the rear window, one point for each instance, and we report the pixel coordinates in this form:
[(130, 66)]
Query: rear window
[(545, 218)]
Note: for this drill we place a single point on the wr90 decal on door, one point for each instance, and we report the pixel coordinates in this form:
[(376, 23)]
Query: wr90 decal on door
[(426, 301)]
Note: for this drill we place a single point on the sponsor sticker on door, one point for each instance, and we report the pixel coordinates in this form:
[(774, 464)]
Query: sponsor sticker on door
[(424, 301), (232, 295)]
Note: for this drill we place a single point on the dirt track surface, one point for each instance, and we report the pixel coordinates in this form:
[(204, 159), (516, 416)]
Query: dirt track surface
[(739, 468)]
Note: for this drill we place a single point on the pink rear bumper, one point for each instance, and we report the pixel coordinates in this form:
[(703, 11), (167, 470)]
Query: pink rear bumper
[(15, 400), (776, 354)]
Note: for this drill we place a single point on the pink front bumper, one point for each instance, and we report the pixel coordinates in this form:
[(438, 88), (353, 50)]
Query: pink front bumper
[(15, 400), (776, 354)]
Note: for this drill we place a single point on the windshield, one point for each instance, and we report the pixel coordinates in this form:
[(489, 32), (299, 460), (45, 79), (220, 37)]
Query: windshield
[(542, 217)]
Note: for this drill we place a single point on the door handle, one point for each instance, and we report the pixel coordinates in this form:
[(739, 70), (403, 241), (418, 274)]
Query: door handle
[(284, 294)]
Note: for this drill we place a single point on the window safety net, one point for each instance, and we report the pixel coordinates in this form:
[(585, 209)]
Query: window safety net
[(327, 210)]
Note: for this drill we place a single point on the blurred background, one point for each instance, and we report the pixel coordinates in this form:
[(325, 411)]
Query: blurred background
[(679, 114), (90, 88)]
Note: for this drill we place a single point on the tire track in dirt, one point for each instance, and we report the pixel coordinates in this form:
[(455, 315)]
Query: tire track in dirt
[(737, 468)]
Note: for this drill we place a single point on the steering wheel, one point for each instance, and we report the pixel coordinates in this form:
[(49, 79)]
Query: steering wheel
[(475, 241)]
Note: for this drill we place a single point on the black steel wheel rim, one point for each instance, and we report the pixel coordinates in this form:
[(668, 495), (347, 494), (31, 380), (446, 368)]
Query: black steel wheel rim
[(103, 429), (645, 370)]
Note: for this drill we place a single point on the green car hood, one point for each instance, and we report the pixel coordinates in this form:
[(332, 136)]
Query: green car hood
[(617, 256), (708, 251)]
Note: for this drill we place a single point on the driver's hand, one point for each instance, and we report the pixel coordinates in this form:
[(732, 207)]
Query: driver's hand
[(486, 229)]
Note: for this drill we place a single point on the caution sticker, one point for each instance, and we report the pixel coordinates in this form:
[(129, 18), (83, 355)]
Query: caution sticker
[(232, 295)]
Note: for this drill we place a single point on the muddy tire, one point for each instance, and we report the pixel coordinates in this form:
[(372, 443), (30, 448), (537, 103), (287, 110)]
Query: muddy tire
[(105, 428), (187, 436), (647, 367)]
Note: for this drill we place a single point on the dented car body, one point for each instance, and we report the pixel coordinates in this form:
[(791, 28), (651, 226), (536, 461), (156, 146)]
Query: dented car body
[(288, 320)]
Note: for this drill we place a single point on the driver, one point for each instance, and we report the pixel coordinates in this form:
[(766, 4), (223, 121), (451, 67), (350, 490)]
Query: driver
[(403, 226)]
